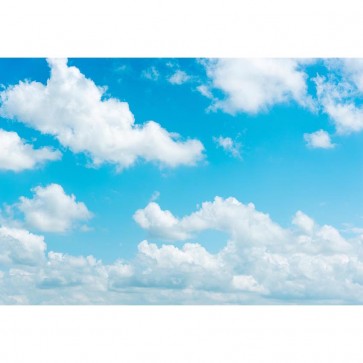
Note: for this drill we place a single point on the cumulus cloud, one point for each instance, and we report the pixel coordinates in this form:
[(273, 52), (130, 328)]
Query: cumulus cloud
[(160, 223), (306, 262), (52, 210), (74, 109), (188, 267), (17, 155), (319, 140), (255, 85), (222, 214), (261, 262), (247, 283), (228, 145), (304, 222), (179, 77), (20, 247), (30, 275)]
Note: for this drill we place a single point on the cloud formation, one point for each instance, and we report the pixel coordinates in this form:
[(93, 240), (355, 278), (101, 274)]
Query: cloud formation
[(261, 262), (52, 210), (254, 85), (337, 101), (319, 140), (305, 262), (178, 78), (20, 247), (228, 145), (151, 74), (75, 111), (338, 93), (17, 155), (228, 215)]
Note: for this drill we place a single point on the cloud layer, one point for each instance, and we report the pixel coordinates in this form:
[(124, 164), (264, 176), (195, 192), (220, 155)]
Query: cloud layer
[(75, 111), (261, 262)]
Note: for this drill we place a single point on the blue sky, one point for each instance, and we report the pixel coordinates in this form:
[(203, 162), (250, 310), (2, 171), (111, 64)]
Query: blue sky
[(244, 129)]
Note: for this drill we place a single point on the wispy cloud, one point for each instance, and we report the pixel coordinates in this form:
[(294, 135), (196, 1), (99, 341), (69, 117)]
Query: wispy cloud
[(229, 146)]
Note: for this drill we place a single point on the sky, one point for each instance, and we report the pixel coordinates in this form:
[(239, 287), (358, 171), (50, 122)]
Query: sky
[(181, 181)]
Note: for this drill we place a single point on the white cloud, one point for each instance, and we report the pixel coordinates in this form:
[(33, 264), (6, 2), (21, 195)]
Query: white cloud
[(16, 155), (247, 283), (159, 223), (304, 222), (227, 215), (178, 78), (189, 267), (19, 247), (62, 270), (319, 140), (337, 100), (31, 275), (52, 210), (339, 91), (155, 196), (352, 69), (261, 258), (254, 85), (229, 145), (151, 73), (169, 256), (73, 109), (205, 91)]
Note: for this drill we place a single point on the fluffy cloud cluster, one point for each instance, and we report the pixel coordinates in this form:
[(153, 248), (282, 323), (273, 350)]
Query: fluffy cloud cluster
[(52, 210), (261, 262), (19, 247), (16, 155), (305, 262), (31, 275), (319, 140), (223, 215), (254, 85), (73, 109)]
